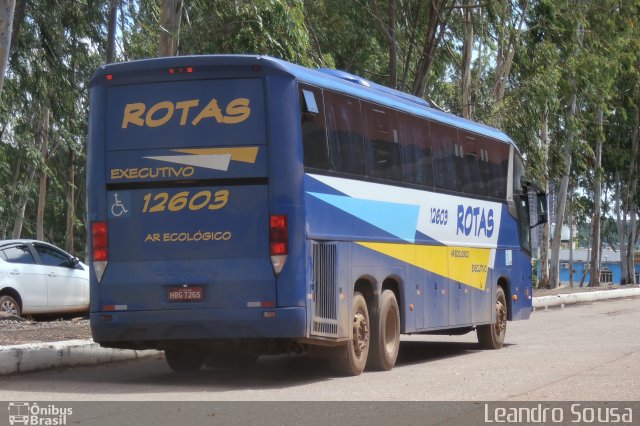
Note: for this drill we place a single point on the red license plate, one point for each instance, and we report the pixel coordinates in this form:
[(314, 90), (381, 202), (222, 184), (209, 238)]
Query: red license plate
[(185, 294)]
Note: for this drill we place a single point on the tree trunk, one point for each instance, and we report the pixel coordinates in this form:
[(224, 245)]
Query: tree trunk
[(7, 8), (467, 52), (412, 43), (632, 245), (393, 46), (439, 12), (585, 269), (13, 189), (621, 222), (554, 273), (480, 19), (544, 256), (41, 135), (594, 280), (544, 244), (503, 68), (571, 236), (42, 193), (170, 18), (315, 42), (71, 192), (111, 32), (631, 197)]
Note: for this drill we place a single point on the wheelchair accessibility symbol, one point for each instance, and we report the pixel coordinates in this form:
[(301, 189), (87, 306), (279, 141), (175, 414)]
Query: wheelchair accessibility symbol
[(118, 207)]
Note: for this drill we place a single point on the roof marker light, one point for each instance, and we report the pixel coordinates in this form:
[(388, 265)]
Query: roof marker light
[(109, 77)]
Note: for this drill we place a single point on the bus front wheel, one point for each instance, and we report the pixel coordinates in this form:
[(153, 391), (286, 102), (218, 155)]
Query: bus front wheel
[(491, 336), (352, 357), (385, 336), (184, 361)]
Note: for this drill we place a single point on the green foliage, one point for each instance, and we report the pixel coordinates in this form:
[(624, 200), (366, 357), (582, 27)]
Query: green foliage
[(272, 27), (590, 48), (53, 58)]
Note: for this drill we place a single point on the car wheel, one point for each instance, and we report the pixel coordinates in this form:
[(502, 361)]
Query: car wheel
[(9, 304)]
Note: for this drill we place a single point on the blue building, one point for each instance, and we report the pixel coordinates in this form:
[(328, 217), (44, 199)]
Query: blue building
[(610, 266)]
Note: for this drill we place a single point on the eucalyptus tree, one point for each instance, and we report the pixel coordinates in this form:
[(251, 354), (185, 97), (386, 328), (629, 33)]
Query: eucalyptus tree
[(7, 8), (599, 64), (272, 27), (170, 19), (44, 117), (620, 154)]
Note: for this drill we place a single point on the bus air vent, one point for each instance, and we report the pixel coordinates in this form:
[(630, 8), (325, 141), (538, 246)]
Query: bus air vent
[(325, 309)]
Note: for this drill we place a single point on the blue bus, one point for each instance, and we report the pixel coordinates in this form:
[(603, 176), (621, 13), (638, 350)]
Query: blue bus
[(242, 205)]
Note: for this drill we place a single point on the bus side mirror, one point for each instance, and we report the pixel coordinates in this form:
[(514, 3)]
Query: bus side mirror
[(541, 204)]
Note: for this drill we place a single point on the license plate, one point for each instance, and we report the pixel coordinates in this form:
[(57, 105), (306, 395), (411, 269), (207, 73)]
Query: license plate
[(185, 294)]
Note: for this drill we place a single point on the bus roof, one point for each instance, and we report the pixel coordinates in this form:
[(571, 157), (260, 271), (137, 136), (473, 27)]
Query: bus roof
[(336, 80)]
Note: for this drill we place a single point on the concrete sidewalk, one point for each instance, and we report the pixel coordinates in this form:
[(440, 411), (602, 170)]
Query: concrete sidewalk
[(592, 296), (71, 353), (67, 353)]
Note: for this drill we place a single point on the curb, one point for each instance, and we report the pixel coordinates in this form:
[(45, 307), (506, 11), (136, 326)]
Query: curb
[(70, 353), (570, 298)]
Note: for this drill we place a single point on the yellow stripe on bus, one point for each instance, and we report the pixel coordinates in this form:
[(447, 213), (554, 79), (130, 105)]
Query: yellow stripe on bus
[(469, 266), (244, 154)]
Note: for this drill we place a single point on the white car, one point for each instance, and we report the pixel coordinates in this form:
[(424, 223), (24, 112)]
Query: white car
[(38, 278)]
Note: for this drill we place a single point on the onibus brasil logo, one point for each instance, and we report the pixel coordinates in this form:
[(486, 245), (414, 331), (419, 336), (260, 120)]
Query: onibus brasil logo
[(26, 413)]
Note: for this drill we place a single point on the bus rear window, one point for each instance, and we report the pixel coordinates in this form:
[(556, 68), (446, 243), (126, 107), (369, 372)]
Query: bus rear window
[(314, 135)]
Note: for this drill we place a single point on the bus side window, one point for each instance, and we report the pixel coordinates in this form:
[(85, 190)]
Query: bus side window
[(416, 150), (496, 168), (314, 132), (381, 142), (472, 159), (344, 133), (518, 174), (446, 156)]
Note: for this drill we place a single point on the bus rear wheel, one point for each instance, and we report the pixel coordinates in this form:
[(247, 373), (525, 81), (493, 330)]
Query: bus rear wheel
[(385, 336), (491, 336), (352, 357), (184, 361)]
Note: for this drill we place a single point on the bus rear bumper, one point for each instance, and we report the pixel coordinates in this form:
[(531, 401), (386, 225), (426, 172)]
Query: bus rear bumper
[(139, 329)]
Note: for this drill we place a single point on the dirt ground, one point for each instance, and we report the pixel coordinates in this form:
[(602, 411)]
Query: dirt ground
[(19, 331)]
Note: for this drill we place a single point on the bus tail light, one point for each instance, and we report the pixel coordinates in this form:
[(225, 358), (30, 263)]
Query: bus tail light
[(100, 248), (278, 241)]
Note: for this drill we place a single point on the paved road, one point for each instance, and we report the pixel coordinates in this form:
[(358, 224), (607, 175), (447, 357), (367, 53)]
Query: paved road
[(582, 352)]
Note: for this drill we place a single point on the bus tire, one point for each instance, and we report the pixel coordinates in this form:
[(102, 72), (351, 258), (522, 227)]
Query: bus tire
[(491, 336), (184, 361), (352, 357), (385, 335)]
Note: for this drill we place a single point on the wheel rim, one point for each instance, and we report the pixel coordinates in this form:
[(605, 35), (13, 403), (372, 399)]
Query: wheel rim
[(360, 333), (391, 331), (9, 306), (501, 323)]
